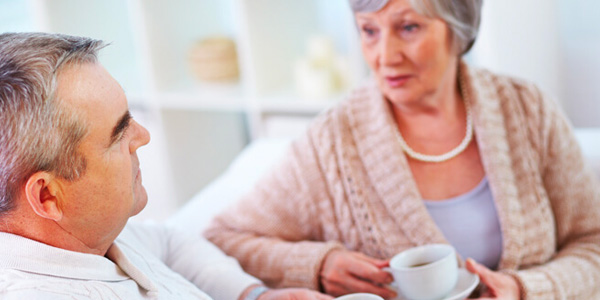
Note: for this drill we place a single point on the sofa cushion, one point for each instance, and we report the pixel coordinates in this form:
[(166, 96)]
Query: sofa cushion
[(260, 155)]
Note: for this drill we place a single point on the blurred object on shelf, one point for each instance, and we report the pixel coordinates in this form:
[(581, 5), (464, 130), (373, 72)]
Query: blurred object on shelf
[(214, 59), (322, 73)]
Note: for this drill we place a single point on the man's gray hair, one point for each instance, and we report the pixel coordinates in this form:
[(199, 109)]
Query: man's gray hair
[(462, 16), (37, 133)]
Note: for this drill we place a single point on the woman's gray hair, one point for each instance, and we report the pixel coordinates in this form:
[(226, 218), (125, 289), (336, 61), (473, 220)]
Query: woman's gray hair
[(38, 133), (367, 5), (462, 16)]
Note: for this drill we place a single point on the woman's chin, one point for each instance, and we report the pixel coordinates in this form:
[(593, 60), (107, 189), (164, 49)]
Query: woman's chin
[(399, 97)]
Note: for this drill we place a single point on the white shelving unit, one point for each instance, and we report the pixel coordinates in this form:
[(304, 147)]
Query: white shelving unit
[(197, 127), (273, 35)]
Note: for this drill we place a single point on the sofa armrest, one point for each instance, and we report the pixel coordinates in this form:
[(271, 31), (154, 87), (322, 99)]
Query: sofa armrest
[(246, 169), (589, 140)]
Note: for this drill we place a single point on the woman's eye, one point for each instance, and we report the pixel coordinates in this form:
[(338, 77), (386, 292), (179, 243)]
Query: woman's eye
[(369, 31), (410, 27)]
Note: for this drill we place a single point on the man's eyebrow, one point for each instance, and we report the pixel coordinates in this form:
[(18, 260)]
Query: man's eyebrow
[(120, 127)]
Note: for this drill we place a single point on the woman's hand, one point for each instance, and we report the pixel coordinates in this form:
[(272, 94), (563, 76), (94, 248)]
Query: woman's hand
[(345, 272), (499, 286), (293, 294)]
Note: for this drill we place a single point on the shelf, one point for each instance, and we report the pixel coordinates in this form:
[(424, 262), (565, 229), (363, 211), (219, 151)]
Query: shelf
[(172, 28), (149, 55), (277, 32), (289, 103), (204, 97)]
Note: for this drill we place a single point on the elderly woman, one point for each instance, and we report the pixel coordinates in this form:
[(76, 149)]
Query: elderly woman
[(431, 151)]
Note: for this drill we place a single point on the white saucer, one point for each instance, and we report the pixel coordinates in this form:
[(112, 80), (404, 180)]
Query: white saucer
[(465, 284)]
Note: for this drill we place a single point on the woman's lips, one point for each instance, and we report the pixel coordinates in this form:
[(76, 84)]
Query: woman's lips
[(397, 81)]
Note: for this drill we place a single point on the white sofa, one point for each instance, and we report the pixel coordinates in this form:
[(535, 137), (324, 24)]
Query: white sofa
[(245, 170), (262, 154)]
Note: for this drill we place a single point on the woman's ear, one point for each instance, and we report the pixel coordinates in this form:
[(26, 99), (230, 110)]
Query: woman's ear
[(43, 194)]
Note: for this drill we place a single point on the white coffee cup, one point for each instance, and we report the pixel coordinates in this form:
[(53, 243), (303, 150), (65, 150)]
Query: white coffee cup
[(359, 296), (427, 272)]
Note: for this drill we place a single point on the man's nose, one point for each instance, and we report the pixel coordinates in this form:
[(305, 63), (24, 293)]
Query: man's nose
[(141, 138)]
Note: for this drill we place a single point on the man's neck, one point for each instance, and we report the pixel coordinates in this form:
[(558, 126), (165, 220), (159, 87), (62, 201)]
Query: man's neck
[(48, 232)]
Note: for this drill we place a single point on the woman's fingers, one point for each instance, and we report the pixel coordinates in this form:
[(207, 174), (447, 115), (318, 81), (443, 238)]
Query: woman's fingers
[(379, 263), (480, 270), (500, 286), (294, 294), (368, 269), (355, 285), (324, 297), (346, 272)]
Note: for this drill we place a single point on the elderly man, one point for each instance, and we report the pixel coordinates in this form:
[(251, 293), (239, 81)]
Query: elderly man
[(70, 179)]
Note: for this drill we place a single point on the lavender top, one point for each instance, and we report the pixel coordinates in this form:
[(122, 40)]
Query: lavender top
[(470, 223)]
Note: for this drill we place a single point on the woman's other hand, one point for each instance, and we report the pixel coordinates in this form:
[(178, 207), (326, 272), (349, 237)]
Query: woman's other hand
[(293, 294), (345, 272), (499, 286)]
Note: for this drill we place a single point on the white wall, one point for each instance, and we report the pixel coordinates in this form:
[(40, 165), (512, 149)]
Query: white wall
[(554, 43), (580, 46), (520, 38)]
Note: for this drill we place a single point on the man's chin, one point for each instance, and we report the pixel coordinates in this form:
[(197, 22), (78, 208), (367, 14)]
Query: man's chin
[(141, 199)]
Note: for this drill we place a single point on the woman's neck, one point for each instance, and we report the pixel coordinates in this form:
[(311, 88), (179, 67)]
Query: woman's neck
[(435, 113)]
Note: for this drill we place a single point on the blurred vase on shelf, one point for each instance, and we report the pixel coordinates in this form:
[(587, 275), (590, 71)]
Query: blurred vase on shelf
[(214, 59), (321, 73)]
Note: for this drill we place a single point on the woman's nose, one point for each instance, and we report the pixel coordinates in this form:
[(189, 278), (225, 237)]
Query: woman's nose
[(391, 50)]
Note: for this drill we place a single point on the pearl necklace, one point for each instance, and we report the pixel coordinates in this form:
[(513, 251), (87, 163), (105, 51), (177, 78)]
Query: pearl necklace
[(452, 153)]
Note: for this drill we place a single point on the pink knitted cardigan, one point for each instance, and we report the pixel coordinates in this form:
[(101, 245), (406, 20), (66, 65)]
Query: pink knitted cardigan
[(346, 184)]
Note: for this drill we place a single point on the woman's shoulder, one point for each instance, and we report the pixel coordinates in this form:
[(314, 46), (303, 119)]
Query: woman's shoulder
[(485, 79), (512, 91), (359, 99), (519, 102), (337, 123)]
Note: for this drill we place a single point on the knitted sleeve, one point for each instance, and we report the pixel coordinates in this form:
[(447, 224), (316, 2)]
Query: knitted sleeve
[(276, 231), (574, 192)]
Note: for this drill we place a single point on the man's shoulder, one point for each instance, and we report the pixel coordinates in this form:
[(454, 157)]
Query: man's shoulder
[(144, 238), (18, 285)]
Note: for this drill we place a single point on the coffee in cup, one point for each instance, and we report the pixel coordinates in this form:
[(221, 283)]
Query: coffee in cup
[(426, 272)]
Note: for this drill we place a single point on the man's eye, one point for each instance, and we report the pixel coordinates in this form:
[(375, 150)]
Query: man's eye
[(121, 135)]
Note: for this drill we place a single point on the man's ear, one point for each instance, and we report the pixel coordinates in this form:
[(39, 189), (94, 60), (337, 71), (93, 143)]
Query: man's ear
[(43, 195)]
